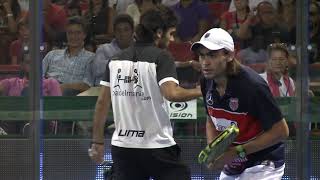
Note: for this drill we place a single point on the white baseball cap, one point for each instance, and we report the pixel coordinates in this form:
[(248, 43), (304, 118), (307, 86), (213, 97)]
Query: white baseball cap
[(215, 39)]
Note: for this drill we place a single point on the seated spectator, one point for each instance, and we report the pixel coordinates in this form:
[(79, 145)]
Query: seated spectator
[(287, 18), (99, 20), (252, 4), (276, 75), (55, 20), (231, 21), (20, 46), (193, 20), (18, 86), (265, 25), (123, 28), (71, 66), (139, 7), (10, 14), (314, 21), (73, 8), (255, 53), (13, 14)]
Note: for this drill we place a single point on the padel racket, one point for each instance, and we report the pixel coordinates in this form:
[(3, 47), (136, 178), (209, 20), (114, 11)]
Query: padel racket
[(219, 145)]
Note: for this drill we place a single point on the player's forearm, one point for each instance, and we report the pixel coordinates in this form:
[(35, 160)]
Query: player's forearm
[(276, 134), (180, 94), (211, 131), (77, 86), (100, 115)]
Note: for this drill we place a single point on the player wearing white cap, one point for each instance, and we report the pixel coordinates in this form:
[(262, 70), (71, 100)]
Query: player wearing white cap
[(235, 94)]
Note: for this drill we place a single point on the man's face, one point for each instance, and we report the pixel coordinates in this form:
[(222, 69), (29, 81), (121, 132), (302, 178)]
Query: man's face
[(123, 33), (167, 37), (75, 35), (213, 63), (24, 32), (267, 14), (278, 62), (45, 4), (241, 4)]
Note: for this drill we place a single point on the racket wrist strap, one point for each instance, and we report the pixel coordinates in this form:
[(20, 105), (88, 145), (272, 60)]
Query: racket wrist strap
[(241, 151)]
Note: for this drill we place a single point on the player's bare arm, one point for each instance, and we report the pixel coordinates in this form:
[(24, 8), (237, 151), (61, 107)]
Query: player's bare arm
[(211, 130), (173, 92), (96, 151), (276, 134)]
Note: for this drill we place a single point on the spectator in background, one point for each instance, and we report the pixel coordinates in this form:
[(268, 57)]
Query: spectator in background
[(255, 53), (231, 21), (276, 75), (123, 28), (71, 66), (55, 20), (193, 19), (19, 46), (253, 4), (266, 25), (13, 14), (139, 7), (18, 86), (99, 20), (73, 8), (287, 18), (10, 14), (314, 29)]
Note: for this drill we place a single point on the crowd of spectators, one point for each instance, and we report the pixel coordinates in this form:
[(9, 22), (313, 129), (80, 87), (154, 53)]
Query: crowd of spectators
[(80, 36)]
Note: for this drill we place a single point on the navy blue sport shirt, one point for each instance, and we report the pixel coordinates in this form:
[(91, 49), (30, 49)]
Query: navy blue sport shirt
[(249, 104)]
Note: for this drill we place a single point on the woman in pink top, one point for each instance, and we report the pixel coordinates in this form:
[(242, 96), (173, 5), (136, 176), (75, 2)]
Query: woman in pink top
[(15, 86)]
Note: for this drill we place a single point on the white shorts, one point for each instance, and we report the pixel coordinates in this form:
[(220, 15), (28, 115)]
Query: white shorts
[(259, 172)]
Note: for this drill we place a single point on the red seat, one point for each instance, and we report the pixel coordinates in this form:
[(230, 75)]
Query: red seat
[(181, 51), (258, 67), (216, 9), (9, 71)]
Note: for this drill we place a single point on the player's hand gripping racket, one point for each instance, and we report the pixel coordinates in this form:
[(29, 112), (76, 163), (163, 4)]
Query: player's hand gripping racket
[(219, 145)]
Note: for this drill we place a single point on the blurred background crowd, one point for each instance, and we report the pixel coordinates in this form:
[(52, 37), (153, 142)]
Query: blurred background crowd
[(80, 36)]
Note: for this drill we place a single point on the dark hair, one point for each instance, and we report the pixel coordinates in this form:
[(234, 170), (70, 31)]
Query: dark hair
[(150, 22), (16, 9), (74, 4), (139, 2), (168, 16), (77, 20), (123, 18), (153, 20), (279, 47), (281, 7), (263, 3), (22, 22)]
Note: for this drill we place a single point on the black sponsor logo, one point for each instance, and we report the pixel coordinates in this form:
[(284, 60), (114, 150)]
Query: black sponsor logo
[(177, 107), (131, 133)]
